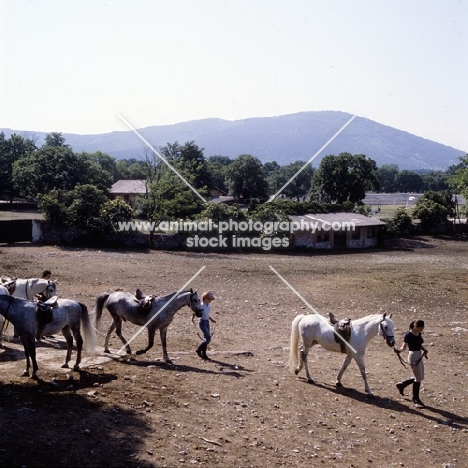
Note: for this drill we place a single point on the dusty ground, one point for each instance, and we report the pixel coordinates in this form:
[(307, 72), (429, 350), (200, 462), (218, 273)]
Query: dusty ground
[(244, 408)]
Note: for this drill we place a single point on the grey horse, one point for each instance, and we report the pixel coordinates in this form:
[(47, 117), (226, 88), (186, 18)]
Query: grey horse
[(123, 306), (65, 316)]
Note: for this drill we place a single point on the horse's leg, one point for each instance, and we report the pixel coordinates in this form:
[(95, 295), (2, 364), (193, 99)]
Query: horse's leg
[(79, 347), (69, 339), (162, 334), (303, 362), (151, 333), (360, 362), (118, 330), (30, 352), (343, 368), (303, 353), (106, 341)]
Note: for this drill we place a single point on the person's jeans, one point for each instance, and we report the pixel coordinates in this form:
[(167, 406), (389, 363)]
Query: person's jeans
[(205, 328)]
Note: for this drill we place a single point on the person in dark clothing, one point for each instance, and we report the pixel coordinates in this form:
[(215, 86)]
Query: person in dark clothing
[(413, 340)]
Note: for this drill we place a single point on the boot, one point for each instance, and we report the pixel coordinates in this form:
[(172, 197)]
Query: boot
[(199, 350), (402, 385), (416, 400), (204, 356)]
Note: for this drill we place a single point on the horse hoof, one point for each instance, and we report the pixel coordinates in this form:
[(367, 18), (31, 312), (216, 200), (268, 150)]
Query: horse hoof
[(296, 371), (76, 368), (338, 385), (25, 374), (140, 351), (312, 382), (107, 351), (65, 366)]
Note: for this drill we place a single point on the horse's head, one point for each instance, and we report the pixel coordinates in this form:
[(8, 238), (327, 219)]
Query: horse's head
[(386, 329), (50, 290), (196, 303)]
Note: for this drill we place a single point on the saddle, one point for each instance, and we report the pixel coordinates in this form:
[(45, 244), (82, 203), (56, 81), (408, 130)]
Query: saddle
[(9, 284), (342, 328), (44, 311), (144, 302)]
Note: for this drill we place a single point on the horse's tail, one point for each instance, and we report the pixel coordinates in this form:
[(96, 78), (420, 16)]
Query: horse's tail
[(294, 344), (89, 336), (100, 301)]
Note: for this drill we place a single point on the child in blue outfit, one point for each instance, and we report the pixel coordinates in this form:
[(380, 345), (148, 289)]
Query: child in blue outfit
[(204, 324)]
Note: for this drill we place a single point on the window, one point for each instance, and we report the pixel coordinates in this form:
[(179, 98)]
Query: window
[(322, 237), (356, 234)]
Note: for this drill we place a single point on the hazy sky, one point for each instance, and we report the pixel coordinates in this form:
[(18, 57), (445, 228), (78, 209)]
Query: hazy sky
[(74, 66)]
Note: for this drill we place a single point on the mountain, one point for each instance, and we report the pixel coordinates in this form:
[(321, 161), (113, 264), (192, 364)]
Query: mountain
[(283, 139)]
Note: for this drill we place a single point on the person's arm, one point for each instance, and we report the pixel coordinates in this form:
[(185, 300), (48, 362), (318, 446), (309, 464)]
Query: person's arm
[(402, 348), (213, 320)]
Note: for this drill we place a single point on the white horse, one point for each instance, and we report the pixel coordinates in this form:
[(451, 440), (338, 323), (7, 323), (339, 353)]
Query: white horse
[(314, 329), (3, 324), (29, 288)]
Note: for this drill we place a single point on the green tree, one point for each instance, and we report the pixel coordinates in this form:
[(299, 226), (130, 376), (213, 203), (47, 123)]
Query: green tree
[(217, 168), (84, 207), (430, 213), (387, 174), (408, 181), (458, 181), (220, 211), (246, 178), (55, 139), (11, 150), (299, 185), (401, 223), (435, 181), (170, 197), (345, 177), (58, 167)]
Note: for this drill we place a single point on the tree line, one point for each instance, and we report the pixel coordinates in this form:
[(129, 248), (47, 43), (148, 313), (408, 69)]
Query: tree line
[(71, 185)]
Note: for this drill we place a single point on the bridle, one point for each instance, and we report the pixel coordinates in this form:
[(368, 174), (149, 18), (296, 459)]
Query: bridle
[(44, 292), (193, 303), (384, 334)]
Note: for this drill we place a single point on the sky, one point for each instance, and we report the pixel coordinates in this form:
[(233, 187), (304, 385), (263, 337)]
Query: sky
[(77, 66)]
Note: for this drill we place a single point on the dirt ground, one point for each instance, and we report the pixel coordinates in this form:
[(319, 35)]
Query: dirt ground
[(244, 408)]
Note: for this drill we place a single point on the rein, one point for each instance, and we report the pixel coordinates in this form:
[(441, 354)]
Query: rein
[(403, 363), (6, 311)]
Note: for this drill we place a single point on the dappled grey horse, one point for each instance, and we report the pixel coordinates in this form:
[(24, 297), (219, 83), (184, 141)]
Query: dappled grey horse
[(72, 319), (122, 306), (22, 314), (68, 317)]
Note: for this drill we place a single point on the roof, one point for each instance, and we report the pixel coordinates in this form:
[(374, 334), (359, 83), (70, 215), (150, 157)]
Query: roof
[(129, 186), (359, 220)]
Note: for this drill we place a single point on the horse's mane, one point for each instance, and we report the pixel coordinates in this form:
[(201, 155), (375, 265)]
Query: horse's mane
[(369, 317), (172, 294)]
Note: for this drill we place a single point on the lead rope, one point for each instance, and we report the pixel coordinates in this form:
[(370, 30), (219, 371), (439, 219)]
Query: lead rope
[(403, 363)]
